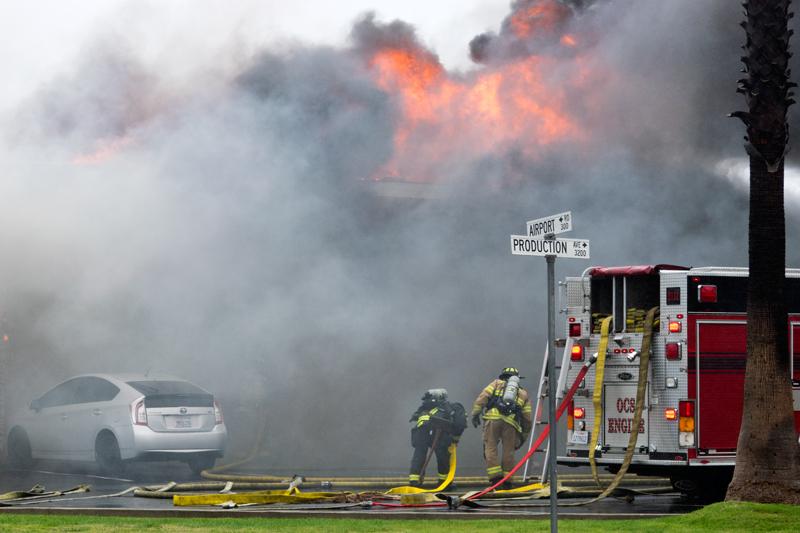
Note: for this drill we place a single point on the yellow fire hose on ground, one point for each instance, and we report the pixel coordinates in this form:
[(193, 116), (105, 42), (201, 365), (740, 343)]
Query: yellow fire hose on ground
[(38, 492), (294, 495)]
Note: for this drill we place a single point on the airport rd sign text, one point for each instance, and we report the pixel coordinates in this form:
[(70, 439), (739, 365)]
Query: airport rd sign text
[(552, 225)]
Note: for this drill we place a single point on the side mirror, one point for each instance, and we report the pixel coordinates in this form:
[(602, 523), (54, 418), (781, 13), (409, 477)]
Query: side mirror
[(36, 405)]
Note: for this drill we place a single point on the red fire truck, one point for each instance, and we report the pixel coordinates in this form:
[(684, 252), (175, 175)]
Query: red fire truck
[(692, 411)]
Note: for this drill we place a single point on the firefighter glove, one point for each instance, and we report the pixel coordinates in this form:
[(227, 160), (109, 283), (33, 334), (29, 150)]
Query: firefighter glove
[(476, 420)]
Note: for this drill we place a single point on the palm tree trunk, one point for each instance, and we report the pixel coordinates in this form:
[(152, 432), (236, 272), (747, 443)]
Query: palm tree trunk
[(768, 454)]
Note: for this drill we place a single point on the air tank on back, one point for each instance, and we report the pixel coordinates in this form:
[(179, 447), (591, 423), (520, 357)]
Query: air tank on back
[(512, 389)]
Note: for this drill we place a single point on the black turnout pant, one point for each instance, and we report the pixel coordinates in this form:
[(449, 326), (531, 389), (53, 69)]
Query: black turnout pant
[(421, 440)]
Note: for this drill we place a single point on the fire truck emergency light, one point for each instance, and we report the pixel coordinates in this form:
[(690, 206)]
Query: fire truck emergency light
[(673, 296), (686, 423), (675, 327), (670, 413), (672, 351), (575, 329), (577, 353), (707, 294), (578, 412)]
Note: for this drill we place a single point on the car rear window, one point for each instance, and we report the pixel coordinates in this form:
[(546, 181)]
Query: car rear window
[(166, 387), (172, 394)]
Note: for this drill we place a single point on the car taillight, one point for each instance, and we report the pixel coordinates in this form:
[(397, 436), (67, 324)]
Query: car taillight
[(672, 351), (217, 414), (575, 329), (686, 423), (139, 413), (577, 353), (707, 294)]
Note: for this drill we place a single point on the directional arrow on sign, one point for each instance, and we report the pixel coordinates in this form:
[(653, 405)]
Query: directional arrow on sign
[(552, 225)]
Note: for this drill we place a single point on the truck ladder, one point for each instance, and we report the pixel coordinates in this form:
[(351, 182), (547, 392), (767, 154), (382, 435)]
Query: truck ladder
[(538, 422)]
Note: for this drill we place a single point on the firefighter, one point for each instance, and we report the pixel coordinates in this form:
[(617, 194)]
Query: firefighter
[(507, 416), (437, 424)]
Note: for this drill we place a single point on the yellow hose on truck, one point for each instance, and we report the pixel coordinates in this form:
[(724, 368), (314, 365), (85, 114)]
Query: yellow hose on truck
[(597, 398)]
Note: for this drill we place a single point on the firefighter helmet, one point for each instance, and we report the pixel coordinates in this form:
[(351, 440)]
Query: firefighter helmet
[(508, 372), (435, 395)]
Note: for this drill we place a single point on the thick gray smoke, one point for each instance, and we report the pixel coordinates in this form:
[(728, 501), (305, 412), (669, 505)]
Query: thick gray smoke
[(226, 230), (530, 28)]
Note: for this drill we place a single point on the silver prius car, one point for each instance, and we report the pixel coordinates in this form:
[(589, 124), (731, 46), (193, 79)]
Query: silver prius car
[(114, 419)]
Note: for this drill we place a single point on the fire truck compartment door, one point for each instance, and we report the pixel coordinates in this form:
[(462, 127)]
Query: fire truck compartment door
[(794, 338), (618, 409), (795, 344), (720, 380)]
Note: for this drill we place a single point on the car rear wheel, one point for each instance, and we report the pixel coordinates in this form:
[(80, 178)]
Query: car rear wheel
[(19, 449), (106, 451), (198, 463)]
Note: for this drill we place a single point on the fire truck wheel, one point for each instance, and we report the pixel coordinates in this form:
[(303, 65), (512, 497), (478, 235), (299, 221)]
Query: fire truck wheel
[(709, 489)]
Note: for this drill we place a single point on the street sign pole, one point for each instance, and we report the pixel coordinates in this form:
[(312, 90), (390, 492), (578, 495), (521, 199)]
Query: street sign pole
[(541, 241), (551, 390)]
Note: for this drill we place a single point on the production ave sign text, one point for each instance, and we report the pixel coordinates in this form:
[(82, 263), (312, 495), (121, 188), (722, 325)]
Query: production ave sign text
[(574, 248)]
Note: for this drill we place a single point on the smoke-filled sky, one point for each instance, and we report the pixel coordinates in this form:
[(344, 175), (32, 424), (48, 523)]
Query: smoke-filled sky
[(306, 208)]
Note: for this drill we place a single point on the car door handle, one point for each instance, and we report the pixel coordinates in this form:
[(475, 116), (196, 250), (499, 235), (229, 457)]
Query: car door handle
[(97, 412)]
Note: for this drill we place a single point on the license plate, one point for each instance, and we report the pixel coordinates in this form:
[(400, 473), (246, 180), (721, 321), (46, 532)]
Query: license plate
[(580, 437), (180, 422)]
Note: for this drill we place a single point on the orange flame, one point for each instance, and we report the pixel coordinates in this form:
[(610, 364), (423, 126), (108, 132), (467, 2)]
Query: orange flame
[(444, 118), (569, 40)]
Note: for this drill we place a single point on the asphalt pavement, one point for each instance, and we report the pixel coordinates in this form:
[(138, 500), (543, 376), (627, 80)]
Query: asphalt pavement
[(114, 495)]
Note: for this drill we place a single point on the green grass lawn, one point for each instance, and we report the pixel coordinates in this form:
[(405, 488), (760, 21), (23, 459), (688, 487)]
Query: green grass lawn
[(718, 517)]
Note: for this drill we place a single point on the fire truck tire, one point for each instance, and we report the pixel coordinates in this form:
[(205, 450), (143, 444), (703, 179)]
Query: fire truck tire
[(708, 488)]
